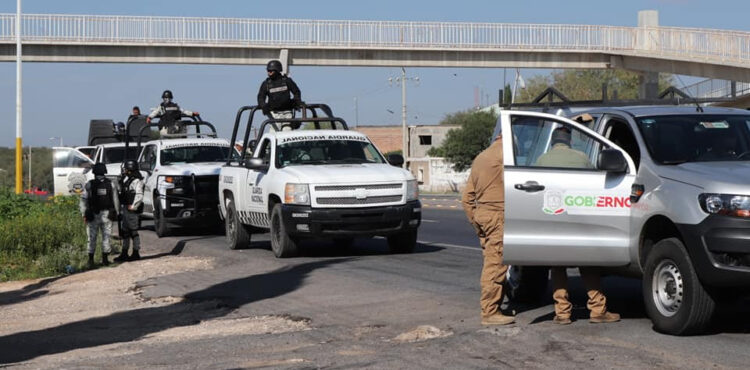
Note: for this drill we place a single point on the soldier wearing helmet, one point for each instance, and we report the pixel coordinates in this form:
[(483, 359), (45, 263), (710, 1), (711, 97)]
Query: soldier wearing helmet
[(131, 200), (99, 205), (275, 94), (169, 114)]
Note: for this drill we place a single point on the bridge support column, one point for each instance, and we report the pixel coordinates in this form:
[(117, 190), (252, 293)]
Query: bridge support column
[(284, 59), (649, 81)]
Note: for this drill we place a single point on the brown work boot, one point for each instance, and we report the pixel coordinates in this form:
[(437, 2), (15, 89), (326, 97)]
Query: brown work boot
[(605, 318), (561, 320), (498, 319)]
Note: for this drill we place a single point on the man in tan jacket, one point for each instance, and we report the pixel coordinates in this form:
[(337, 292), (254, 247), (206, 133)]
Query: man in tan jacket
[(561, 155), (484, 204)]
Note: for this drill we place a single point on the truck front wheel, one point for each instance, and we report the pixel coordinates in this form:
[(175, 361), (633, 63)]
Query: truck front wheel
[(282, 244), (675, 300), (160, 226), (403, 242), (236, 235)]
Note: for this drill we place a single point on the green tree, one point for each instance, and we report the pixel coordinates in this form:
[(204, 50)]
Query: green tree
[(462, 144), (587, 84)]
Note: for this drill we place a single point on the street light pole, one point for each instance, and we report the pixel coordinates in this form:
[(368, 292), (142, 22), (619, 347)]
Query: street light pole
[(404, 129), (19, 144)]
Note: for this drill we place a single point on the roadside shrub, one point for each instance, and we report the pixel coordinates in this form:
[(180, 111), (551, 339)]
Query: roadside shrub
[(40, 238)]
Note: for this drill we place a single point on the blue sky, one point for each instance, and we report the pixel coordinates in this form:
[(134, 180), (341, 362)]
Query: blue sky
[(60, 99)]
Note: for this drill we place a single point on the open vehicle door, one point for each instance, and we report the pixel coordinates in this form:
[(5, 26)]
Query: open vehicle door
[(561, 210), (71, 170)]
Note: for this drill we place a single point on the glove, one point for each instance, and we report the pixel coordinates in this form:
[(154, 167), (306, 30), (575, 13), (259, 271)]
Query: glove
[(299, 104), (265, 110), (112, 216), (148, 119), (196, 114), (88, 215)]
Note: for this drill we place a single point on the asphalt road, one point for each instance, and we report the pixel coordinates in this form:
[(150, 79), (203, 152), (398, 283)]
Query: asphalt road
[(357, 301)]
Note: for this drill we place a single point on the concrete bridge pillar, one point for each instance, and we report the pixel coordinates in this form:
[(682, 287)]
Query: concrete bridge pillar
[(649, 81)]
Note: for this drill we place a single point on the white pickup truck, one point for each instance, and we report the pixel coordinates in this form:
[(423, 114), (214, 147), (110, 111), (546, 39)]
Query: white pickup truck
[(315, 183), (181, 174)]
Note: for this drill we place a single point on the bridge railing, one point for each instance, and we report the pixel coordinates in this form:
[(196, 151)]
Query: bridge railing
[(709, 45)]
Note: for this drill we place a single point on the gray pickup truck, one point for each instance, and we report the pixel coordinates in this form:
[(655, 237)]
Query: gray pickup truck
[(666, 196)]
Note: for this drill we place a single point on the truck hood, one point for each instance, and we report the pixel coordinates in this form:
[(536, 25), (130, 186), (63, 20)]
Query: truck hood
[(348, 173), (187, 169), (714, 177)]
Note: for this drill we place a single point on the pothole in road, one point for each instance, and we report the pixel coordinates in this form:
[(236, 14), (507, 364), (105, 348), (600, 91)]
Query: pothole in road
[(422, 333)]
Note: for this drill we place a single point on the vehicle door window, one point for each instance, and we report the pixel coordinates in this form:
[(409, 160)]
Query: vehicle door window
[(78, 160), (620, 133), (540, 142), (149, 156), (265, 151)]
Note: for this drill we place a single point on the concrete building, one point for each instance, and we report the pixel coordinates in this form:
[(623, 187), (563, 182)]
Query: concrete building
[(434, 174)]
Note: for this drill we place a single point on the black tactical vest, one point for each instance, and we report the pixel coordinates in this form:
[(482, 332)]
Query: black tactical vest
[(172, 114), (279, 95), (100, 197)]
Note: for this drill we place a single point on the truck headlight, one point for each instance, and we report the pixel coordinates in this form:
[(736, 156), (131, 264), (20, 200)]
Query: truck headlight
[(412, 190), (297, 194), (725, 204)]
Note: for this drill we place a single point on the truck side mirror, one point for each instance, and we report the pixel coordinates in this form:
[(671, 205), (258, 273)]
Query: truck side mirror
[(145, 166), (612, 160), (256, 164), (395, 160)]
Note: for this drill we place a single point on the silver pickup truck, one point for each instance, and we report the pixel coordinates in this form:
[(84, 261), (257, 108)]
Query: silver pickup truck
[(666, 196)]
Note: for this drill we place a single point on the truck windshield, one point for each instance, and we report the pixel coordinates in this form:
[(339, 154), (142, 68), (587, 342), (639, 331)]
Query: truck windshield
[(314, 152), (193, 154), (117, 154), (697, 138)]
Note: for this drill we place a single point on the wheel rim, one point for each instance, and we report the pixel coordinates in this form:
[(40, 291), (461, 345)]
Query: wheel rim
[(668, 288)]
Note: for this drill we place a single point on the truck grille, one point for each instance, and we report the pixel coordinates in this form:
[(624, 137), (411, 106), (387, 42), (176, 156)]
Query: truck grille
[(355, 201), (355, 187), (207, 191)]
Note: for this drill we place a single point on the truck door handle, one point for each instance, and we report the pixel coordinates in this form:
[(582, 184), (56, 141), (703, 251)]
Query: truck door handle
[(529, 186)]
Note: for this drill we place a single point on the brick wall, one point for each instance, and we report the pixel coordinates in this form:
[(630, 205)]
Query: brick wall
[(386, 138)]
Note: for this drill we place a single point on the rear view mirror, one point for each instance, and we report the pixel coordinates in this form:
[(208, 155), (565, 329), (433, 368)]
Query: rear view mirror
[(612, 160), (145, 166), (395, 160), (256, 164)]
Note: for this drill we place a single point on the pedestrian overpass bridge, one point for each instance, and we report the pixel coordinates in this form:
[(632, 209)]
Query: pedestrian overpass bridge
[(709, 53)]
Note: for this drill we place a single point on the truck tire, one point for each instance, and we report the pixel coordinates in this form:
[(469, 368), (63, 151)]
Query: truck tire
[(527, 284), (675, 299), (282, 244), (343, 243), (403, 242), (160, 226), (236, 234)]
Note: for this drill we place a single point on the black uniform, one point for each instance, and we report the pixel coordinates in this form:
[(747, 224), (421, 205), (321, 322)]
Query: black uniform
[(171, 114), (278, 89)]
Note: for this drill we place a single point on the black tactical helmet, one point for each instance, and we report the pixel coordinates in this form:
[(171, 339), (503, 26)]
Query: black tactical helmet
[(99, 169), (167, 95), (274, 65), (130, 165)]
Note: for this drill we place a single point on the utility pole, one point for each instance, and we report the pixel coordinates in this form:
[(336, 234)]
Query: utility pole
[(19, 144), (356, 112), (29, 169), (405, 131)]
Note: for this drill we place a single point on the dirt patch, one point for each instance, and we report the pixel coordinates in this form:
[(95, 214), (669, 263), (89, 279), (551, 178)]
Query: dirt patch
[(89, 294), (422, 333), (229, 327)]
